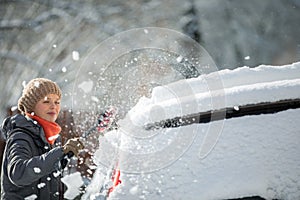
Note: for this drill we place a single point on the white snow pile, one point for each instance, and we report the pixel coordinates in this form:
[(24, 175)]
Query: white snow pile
[(73, 183), (255, 155)]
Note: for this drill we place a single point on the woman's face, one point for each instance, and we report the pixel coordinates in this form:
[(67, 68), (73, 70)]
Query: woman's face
[(48, 108)]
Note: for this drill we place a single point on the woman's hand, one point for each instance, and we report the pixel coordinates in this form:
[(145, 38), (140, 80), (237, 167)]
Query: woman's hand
[(73, 145)]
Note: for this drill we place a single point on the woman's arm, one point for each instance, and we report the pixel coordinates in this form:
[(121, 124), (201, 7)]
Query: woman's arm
[(22, 168)]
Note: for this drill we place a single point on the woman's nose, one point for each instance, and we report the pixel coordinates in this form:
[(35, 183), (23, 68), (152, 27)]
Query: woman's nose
[(52, 104)]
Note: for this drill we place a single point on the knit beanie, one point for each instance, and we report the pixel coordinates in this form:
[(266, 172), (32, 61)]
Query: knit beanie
[(36, 90)]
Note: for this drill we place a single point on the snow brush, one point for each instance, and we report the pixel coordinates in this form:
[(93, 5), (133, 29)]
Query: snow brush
[(106, 121)]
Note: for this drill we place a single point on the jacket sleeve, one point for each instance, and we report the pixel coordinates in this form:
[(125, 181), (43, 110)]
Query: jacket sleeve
[(22, 168)]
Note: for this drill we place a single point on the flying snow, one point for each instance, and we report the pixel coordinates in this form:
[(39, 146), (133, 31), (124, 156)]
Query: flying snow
[(31, 197), (86, 86), (37, 170), (75, 55), (64, 69), (41, 185)]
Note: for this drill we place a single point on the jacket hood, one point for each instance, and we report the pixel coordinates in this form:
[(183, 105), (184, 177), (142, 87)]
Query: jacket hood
[(18, 121)]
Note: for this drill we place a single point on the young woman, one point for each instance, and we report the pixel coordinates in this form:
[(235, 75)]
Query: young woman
[(33, 155)]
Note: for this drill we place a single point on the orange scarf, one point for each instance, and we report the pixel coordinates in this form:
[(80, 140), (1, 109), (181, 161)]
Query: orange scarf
[(51, 129)]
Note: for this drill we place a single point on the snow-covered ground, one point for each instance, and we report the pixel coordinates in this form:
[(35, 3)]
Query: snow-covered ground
[(232, 158)]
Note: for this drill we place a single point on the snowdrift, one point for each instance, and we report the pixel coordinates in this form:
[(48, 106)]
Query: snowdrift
[(231, 158)]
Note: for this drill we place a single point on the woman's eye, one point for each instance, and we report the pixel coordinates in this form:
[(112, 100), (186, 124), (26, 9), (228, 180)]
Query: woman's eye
[(57, 102)]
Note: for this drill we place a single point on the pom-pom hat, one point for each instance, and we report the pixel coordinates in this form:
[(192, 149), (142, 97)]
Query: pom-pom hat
[(36, 90)]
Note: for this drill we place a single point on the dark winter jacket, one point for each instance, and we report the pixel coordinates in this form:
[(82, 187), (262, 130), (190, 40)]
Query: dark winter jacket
[(31, 166)]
